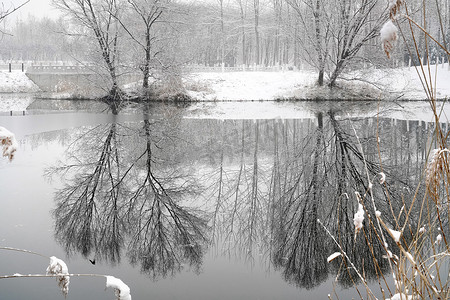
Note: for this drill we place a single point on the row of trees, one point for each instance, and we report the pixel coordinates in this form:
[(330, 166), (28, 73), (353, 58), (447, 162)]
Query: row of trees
[(155, 35)]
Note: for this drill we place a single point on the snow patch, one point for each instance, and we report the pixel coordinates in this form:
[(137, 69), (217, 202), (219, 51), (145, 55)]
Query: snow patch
[(245, 86), (399, 296), (382, 177), (333, 256), (16, 82), (395, 235), (399, 83), (121, 290), (358, 218), (388, 35), (410, 257), (59, 267)]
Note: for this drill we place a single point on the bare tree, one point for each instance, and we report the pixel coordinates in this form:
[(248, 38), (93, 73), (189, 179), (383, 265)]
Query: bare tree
[(318, 37), (148, 12), (100, 18), (338, 31), (357, 24)]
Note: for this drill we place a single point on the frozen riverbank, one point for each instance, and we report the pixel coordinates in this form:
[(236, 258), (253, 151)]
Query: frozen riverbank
[(387, 84)]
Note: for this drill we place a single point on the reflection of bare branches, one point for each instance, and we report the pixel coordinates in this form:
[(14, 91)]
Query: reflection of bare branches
[(167, 234), (115, 199), (267, 184), (349, 179), (300, 244), (88, 213), (240, 210)]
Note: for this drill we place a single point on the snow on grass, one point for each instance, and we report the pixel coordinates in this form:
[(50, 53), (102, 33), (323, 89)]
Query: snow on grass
[(404, 83), (382, 177), (399, 296), (438, 239), (16, 82), (247, 85), (333, 256), (121, 290), (400, 83), (15, 102), (358, 218), (388, 35), (59, 267), (395, 235), (13, 86), (410, 257)]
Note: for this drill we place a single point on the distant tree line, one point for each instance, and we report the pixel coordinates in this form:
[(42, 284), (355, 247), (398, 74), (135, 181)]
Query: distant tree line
[(148, 35)]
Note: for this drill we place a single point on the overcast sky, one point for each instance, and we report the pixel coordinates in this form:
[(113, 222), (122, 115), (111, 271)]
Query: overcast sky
[(39, 8)]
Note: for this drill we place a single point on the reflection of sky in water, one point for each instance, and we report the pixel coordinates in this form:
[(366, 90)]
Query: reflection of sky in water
[(27, 222)]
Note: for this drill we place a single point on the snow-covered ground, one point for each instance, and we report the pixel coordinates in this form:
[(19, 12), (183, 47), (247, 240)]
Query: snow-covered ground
[(16, 82), (402, 83), (247, 85)]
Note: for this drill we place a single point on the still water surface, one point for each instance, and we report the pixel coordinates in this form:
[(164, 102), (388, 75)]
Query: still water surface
[(180, 205)]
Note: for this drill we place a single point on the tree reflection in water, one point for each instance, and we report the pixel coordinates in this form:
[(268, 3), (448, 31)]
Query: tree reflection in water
[(269, 202), (299, 240), (263, 184), (118, 194)]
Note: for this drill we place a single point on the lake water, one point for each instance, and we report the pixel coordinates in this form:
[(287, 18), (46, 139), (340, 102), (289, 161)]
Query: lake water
[(208, 201)]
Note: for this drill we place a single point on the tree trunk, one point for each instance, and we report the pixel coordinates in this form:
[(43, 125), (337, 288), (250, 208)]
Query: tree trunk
[(257, 41), (320, 57), (320, 79), (146, 68)]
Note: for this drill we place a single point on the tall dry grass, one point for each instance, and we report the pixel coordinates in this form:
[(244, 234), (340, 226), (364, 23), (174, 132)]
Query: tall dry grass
[(420, 270)]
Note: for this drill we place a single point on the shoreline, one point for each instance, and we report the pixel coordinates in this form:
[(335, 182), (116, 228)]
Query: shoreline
[(397, 85)]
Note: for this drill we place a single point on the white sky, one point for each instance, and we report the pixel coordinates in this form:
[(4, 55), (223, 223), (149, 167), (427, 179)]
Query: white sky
[(38, 8)]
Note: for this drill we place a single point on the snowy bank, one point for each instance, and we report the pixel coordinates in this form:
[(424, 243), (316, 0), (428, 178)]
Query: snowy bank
[(371, 83), (16, 82), (385, 84), (229, 86)]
